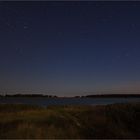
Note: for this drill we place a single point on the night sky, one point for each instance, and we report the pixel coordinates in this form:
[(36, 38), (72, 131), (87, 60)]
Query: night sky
[(69, 48)]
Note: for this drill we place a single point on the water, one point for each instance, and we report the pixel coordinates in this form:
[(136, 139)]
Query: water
[(41, 101)]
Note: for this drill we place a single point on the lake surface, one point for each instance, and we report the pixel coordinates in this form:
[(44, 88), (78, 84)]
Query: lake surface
[(42, 101)]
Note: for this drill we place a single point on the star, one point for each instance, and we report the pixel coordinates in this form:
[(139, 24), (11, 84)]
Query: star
[(127, 54), (133, 25), (8, 24), (118, 57), (19, 50), (25, 27)]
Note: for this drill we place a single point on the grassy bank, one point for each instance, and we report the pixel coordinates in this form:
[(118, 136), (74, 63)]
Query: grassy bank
[(110, 121)]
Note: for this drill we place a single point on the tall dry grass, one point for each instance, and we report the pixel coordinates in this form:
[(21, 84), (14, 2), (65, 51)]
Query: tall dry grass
[(108, 121)]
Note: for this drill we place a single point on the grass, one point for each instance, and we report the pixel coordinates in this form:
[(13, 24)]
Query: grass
[(69, 122)]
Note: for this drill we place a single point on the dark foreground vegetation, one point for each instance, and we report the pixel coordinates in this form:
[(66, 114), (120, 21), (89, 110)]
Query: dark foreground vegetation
[(109, 121)]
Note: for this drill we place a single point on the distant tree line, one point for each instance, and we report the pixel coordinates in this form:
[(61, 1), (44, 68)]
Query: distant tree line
[(28, 95), (108, 96), (86, 96), (113, 95)]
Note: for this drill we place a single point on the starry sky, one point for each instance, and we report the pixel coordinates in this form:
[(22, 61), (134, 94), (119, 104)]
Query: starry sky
[(70, 48)]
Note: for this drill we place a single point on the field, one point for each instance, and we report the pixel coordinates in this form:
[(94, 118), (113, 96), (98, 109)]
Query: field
[(106, 121)]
